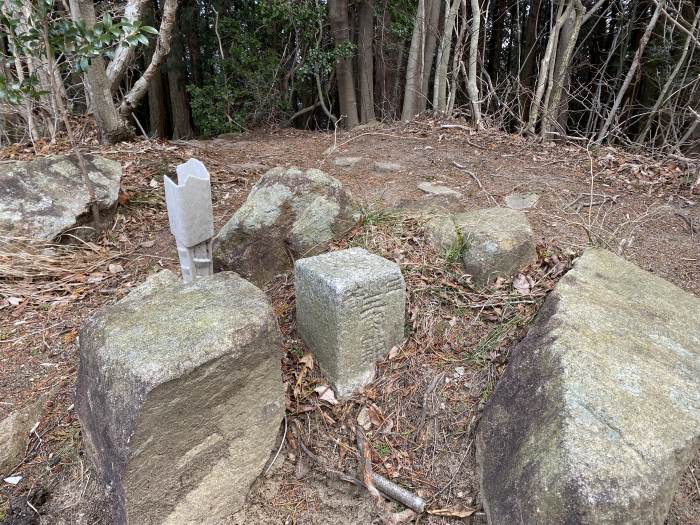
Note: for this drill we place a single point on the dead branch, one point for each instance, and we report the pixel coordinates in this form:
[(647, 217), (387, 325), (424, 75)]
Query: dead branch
[(593, 201), (386, 487), (389, 517), (693, 227)]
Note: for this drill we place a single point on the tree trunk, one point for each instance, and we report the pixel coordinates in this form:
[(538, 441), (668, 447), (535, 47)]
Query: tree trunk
[(431, 38), (191, 14), (414, 67), (567, 43), (381, 71), (365, 61), (140, 87), (112, 127), (157, 108), (472, 86), (661, 99), (123, 56), (443, 58), (527, 73), (177, 80), (496, 45), (545, 67), (630, 73), (457, 57), (338, 14)]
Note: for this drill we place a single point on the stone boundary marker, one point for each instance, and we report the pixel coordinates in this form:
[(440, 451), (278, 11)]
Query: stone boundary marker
[(180, 397), (350, 312)]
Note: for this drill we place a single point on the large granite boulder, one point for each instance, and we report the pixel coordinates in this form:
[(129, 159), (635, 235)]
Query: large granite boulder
[(180, 397), (492, 242), (598, 413), (290, 213), (47, 196)]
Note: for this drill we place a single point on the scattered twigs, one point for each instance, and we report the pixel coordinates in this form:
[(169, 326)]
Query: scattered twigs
[(470, 173), (34, 269), (284, 436), (366, 465), (428, 392), (377, 485), (476, 179), (693, 227), (333, 473), (368, 479), (465, 128), (594, 199)]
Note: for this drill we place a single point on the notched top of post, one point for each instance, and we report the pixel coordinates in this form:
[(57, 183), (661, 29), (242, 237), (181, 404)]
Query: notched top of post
[(189, 204)]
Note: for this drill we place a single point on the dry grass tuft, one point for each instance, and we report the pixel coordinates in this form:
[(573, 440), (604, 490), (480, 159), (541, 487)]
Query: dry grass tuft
[(40, 271)]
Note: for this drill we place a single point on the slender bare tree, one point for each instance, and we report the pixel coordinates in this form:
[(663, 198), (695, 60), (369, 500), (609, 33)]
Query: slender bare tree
[(603, 133), (338, 14)]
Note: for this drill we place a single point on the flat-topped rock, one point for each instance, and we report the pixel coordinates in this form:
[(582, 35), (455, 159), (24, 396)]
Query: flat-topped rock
[(346, 162), (521, 201), (387, 167), (438, 189), (598, 413), (492, 242), (289, 213), (350, 312), (498, 243), (45, 197), (180, 397)]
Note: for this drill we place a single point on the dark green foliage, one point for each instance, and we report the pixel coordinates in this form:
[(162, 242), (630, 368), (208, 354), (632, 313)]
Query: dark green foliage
[(72, 40), (251, 84)]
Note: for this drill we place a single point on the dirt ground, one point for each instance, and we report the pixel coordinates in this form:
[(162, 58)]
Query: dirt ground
[(423, 408)]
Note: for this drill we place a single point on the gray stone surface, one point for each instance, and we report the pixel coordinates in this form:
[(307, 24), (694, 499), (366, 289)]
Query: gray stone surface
[(180, 397), (441, 232), (47, 196), (522, 201), (437, 189), (289, 213), (598, 413), (346, 162), (498, 243), (191, 218), (387, 166), (350, 312), (494, 241), (14, 436)]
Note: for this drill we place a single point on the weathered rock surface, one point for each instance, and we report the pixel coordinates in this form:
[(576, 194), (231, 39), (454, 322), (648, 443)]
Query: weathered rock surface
[(290, 213), (498, 242), (180, 397), (346, 162), (350, 312), (14, 436), (522, 201), (441, 231), (437, 189), (598, 413), (387, 167), (47, 196), (494, 241)]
